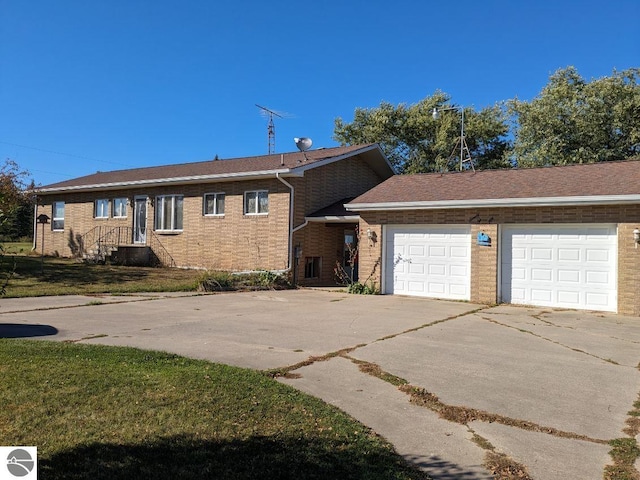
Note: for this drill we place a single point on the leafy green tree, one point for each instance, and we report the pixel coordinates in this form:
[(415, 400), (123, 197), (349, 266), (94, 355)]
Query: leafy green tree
[(415, 142), (575, 121), (15, 199)]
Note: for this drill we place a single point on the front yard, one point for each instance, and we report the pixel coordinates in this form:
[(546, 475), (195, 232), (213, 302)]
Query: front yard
[(117, 413)]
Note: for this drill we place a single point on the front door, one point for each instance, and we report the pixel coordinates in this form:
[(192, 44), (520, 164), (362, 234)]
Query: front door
[(350, 255), (140, 220)]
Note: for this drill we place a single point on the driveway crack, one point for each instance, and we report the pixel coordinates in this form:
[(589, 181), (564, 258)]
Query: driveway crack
[(523, 330), (286, 371)]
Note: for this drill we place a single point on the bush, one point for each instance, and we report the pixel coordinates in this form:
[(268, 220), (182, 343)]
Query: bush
[(362, 289), (219, 281)]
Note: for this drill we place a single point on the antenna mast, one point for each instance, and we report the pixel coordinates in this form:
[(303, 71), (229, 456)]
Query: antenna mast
[(271, 128)]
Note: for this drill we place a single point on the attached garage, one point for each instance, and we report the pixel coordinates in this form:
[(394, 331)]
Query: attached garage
[(570, 266), (428, 260), (552, 237)]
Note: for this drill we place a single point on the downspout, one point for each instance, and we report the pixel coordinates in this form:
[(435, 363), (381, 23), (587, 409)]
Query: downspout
[(35, 224), (290, 246)]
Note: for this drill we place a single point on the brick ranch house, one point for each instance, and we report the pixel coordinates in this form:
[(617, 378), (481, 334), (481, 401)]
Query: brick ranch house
[(557, 236), (242, 214)]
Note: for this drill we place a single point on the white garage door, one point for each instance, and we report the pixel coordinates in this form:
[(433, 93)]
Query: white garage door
[(572, 266), (428, 260)]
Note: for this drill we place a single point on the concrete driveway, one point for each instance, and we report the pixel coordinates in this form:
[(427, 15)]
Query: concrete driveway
[(544, 388)]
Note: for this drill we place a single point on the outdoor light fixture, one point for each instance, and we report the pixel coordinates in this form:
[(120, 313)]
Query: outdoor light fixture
[(636, 237), (371, 236), (463, 143)]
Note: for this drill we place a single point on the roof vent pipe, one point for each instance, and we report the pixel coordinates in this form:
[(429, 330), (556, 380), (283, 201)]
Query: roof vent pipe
[(282, 159)]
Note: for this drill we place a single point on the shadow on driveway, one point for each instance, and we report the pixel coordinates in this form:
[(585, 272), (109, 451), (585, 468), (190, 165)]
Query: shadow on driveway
[(23, 330)]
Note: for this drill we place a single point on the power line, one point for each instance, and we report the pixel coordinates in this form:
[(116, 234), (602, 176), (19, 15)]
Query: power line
[(65, 154)]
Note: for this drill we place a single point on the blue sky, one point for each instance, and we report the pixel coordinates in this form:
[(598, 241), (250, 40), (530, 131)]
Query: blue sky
[(88, 85)]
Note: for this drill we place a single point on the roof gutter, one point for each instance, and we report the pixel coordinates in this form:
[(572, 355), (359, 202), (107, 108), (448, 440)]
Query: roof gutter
[(227, 177), (584, 200)]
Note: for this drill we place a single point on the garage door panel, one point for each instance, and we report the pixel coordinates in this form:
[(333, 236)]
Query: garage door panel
[(569, 254), (541, 254), (541, 274), (416, 269), (595, 277), (569, 276), (458, 289), (601, 299), (459, 271), (459, 252), (428, 260), (570, 266), (598, 255), (435, 269), (569, 297), (541, 294)]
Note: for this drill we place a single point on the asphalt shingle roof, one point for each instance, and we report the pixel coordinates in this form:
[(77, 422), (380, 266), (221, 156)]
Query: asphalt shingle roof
[(597, 179), (246, 165)]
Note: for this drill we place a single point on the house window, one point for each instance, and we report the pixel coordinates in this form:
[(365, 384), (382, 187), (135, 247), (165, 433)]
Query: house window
[(256, 202), (119, 207), (312, 267), (57, 222), (213, 204), (169, 212), (101, 208)]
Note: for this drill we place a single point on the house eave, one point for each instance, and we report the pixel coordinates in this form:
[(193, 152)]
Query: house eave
[(334, 219), (380, 169), (156, 182), (585, 200)]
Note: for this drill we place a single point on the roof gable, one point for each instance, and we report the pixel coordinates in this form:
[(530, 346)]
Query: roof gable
[(285, 164), (604, 182)]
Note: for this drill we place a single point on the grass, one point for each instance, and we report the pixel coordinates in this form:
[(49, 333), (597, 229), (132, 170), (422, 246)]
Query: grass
[(105, 412), (61, 276), (17, 248)]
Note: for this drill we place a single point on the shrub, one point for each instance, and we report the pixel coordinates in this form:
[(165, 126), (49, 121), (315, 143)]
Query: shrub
[(225, 281)]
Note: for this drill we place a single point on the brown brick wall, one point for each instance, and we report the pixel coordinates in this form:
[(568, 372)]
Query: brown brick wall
[(324, 241), (628, 270), (484, 265), (319, 188), (485, 260), (370, 252), (232, 242)]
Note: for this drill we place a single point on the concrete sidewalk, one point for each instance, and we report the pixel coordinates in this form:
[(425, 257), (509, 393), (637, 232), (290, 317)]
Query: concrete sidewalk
[(572, 374)]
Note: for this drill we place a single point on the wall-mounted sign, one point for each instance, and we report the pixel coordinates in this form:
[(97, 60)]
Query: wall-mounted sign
[(483, 239)]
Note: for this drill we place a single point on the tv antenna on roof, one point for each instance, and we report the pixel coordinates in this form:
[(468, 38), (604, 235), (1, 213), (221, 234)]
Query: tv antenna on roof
[(271, 128)]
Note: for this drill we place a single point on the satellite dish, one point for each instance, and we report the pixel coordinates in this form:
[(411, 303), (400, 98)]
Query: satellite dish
[(303, 143)]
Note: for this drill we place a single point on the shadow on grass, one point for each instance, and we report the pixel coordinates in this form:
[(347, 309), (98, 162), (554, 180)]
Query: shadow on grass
[(22, 330), (265, 458), (69, 272)]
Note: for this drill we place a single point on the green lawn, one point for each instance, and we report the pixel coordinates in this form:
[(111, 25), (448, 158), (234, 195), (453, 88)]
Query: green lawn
[(99, 412), (61, 276), (17, 248)]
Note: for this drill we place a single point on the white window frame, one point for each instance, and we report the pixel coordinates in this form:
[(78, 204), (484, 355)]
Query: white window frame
[(176, 217), (255, 195), (101, 208), (119, 201), (56, 220), (216, 196)]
